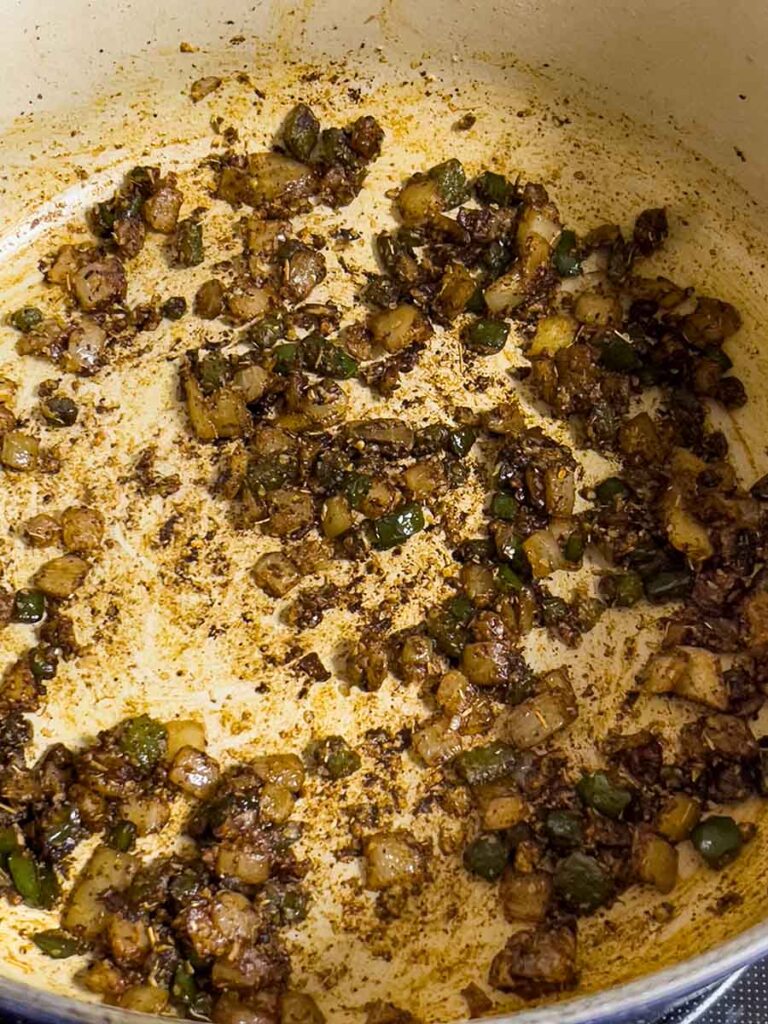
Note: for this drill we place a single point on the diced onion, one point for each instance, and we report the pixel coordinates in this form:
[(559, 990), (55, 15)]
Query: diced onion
[(184, 732), (392, 859), (194, 772), (85, 913)]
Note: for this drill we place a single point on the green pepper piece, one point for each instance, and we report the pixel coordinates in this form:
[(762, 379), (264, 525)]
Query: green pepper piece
[(143, 179), (574, 547), (719, 356), (287, 902), (174, 308), (25, 319), (508, 580), (486, 336), (56, 944), (189, 243), (300, 132), (476, 302), (143, 740), (622, 589), (497, 258), (398, 526), (103, 217), (212, 371), (327, 359), (486, 856), (334, 757), (597, 790), (28, 606), (43, 662), (718, 840), (565, 257), (553, 609), (517, 690), (355, 487), (494, 188), (184, 988), (486, 764), (431, 439), (295, 905), (504, 506), (564, 828), (582, 883), (49, 886), (64, 829), (23, 870), (59, 411), (460, 441), (448, 629), (510, 548), (287, 357), (461, 608), (8, 840), (333, 148), (618, 355), (186, 885), (201, 1006), (588, 612), (410, 237), (671, 585), (266, 332), (451, 181), (270, 473), (608, 491), (8, 843), (121, 836)]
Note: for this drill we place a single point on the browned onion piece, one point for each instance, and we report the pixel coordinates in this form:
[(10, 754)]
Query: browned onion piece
[(62, 576), (436, 741), (41, 531), (82, 529), (85, 348), (194, 772), (85, 914), (276, 573), (148, 813), (184, 732), (536, 719), (19, 451), (100, 284), (393, 859), (281, 769), (161, 210), (238, 860), (525, 897)]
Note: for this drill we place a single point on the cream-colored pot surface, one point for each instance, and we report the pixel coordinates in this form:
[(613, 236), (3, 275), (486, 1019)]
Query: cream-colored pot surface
[(615, 106)]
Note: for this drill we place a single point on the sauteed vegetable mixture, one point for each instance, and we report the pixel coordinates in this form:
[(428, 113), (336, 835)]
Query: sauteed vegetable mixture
[(628, 360)]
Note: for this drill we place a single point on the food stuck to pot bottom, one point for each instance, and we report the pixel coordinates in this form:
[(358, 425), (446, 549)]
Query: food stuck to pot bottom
[(624, 363)]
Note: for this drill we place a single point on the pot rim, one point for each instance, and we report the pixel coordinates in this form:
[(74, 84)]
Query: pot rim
[(619, 1003)]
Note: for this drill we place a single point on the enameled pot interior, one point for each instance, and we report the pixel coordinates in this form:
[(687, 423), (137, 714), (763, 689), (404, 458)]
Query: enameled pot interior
[(114, 91)]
